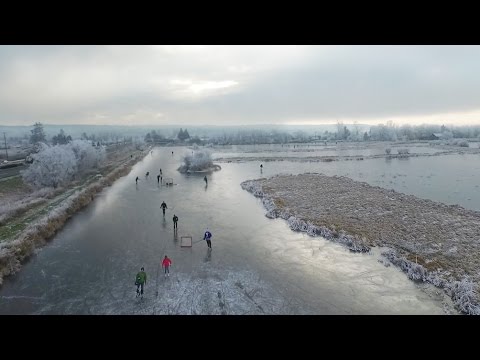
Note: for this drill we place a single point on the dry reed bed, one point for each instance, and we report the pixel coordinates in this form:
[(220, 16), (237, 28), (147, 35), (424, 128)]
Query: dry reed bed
[(430, 241)]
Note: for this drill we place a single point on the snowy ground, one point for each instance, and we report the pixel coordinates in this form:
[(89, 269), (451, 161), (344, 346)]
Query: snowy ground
[(305, 156), (430, 241)]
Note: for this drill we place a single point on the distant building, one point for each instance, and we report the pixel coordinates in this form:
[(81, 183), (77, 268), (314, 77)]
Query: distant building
[(430, 137)]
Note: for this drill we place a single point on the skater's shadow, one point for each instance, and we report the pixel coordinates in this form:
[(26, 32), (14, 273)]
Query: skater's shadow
[(208, 256), (164, 223), (206, 186), (175, 235)]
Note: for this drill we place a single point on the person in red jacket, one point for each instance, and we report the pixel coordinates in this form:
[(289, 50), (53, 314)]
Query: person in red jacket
[(166, 265)]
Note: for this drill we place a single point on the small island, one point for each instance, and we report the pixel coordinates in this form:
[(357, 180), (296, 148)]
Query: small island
[(199, 161)]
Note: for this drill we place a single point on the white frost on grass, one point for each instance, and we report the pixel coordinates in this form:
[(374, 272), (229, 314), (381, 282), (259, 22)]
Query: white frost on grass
[(446, 251), (464, 294), (13, 252), (11, 209), (351, 242)]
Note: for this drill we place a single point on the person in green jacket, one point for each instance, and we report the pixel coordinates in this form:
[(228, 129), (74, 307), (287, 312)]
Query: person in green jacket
[(140, 280)]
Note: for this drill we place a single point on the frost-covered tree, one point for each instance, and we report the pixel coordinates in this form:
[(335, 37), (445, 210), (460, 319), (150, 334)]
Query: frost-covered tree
[(38, 135), (51, 167), (139, 143), (61, 138), (447, 135), (183, 134), (87, 156), (197, 161)]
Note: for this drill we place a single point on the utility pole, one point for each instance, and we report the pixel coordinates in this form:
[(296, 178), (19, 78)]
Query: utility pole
[(5, 138)]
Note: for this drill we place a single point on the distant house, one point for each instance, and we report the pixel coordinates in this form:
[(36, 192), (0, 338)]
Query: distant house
[(430, 137), (439, 135)]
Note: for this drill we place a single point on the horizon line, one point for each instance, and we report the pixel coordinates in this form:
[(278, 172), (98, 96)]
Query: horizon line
[(249, 125)]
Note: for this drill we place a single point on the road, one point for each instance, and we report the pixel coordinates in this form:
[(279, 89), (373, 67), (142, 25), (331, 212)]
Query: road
[(9, 172)]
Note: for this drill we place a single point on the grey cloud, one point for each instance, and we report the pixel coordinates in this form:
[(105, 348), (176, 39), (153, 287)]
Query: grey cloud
[(69, 84)]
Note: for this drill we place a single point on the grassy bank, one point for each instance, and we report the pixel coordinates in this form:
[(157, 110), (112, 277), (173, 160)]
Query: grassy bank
[(38, 221)]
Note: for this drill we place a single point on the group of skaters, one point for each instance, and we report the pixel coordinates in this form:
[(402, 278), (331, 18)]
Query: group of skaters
[(141, 278), (159, 177)]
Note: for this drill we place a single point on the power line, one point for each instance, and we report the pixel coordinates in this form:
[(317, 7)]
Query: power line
[(5, 138)]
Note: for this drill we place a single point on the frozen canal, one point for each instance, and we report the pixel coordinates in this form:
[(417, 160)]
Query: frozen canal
[(257, 265)]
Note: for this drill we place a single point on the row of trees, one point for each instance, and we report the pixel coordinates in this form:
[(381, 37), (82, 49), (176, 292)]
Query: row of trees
[(355, 132), (183, 136), (38, 136)]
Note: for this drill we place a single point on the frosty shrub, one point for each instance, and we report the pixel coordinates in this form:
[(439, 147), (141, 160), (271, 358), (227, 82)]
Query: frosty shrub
[(40, 146), (198, 161), (87, 156), (388, 151), (139, 143), (465, 296), (51, 167), (403, 151), (458, 142)]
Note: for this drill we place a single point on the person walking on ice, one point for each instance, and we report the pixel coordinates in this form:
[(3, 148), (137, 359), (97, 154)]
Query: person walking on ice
[(175, 220), (163, 206), (205, 179), (140, 281), (208, 238), (136, 180), (166, 263), (158, 179)]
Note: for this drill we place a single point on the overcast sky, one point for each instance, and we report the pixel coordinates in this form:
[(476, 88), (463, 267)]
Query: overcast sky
[(239, 85)]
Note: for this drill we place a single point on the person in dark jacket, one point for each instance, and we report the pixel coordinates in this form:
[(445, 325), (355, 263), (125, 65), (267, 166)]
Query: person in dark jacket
[(163, 206), (175, 220), (208, 237)]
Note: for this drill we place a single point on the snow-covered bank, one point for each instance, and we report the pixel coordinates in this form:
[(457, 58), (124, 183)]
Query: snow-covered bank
[(330, 158), (15, 251), (430, 241)]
